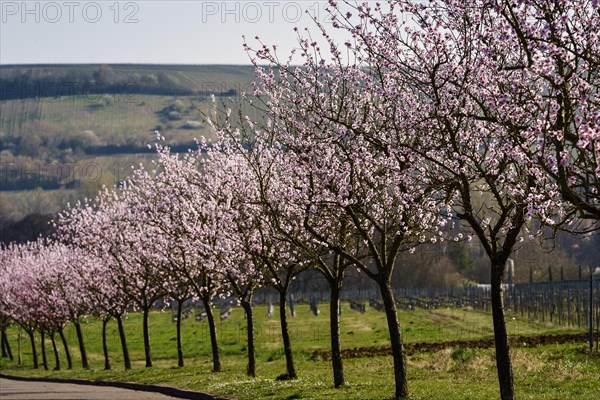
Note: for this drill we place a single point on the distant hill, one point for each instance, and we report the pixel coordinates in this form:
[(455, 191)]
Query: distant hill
[(62, 114), (57, 81)]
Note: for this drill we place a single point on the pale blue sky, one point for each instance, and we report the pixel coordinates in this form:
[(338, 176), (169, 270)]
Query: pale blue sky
[(146, 31)]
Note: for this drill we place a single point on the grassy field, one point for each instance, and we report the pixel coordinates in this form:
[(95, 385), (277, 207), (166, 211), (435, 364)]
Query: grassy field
[(113, 119), (563, 371)]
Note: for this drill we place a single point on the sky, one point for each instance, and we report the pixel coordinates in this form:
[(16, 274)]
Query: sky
[(148, 31)]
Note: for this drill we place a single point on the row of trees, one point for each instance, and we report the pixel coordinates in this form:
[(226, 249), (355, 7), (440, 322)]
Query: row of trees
[(475, 119), (65, 81), (487, 107)]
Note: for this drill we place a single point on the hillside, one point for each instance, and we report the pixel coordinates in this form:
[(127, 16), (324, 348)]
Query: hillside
[(119, 104), (56, 81), (65, 114)]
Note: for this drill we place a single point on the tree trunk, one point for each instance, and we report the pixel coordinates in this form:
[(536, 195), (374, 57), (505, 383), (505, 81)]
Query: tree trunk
[(180, 362), (213, 335), (19, 354), (396, 340), (285, 334), (3, 340), (66, 346), (6, 350), (147, 349), (251, 370), (56, 357), (334, 327), (104, 345), (126, 358), (31, 334), (44, 358), (84, 360), (503, 362)]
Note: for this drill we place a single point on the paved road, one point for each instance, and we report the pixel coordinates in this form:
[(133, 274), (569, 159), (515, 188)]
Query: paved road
[(20, 390)]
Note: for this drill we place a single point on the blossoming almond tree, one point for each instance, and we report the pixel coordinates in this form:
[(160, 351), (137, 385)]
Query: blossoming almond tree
[(37, 296), (60, 292), (144, 278), (94, 266), (107, 298), (35, 303), (17, 303), (321, 114), (115, 229), (80, 277), (230, 177), (449, 80), (5, 318), (276, 258), (555, 82), (147, 197), (286, 208), (184, 204), (268, 229)]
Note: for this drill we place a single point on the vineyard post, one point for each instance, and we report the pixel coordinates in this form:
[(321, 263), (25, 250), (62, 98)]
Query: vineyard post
[(578, 308), (591, 314), (597, 314), (568, 305)]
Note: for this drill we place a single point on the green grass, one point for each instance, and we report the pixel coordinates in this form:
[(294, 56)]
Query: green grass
[(544, 372)]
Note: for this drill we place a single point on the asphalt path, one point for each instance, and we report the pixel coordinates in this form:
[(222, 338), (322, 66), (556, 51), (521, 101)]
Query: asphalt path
[(42, 390)]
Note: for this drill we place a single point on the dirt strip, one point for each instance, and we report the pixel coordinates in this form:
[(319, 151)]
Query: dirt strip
[(412, 348)]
